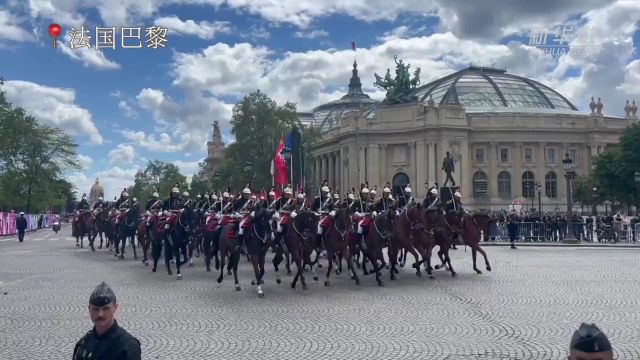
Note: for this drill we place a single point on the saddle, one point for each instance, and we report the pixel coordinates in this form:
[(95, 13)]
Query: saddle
[(211, 223)]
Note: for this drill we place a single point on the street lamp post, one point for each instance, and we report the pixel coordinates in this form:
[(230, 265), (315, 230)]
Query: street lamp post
[(636, 177), (569, 173), (594, 203)]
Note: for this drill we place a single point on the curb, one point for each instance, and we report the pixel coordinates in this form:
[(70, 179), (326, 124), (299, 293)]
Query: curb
[(583, 245)]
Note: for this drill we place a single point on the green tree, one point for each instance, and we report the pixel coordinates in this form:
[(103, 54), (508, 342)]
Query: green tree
[(200, 182), (257, 124), (158, 174), (33, 158)]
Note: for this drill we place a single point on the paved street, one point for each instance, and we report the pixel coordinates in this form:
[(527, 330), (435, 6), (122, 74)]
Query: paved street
[(527, 308)]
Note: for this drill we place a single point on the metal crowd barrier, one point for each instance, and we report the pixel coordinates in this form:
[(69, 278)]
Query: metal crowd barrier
[(587, 232)]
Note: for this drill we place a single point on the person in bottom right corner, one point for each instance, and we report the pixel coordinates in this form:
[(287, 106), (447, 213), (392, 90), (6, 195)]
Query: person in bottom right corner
[(589, 343)]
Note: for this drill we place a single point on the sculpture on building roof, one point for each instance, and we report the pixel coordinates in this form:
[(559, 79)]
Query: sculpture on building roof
[(400, 89)]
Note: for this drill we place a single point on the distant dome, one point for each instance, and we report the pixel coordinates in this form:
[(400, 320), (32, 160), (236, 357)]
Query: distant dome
[(95, 192), (484, 89), (328, 114)]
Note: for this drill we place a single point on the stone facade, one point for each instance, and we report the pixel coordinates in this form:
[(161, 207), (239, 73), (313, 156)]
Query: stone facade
[(94, 193), (215, 151), (499, 156)]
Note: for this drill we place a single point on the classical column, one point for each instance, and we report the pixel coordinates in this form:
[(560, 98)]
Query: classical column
[(338, 180), (517, 170), (541, 170), (421, 166), (362, 168), (384, 174), (431, 163), (317, 171), (413, 176), (325, 167), (492, 159), (330, 171), (465, 173), (373, 164)]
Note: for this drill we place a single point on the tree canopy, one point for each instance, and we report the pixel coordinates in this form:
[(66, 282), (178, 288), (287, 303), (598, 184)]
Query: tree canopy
[(158, 174), (257, 124), (33, 158)]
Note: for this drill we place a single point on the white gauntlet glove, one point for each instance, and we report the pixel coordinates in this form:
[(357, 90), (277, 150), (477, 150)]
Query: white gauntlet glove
[(332, 213), (375, 213), (253, 214), (294, 214), (358, 214)]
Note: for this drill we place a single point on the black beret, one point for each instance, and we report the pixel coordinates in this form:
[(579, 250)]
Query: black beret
[(102, 295), (588, 338)]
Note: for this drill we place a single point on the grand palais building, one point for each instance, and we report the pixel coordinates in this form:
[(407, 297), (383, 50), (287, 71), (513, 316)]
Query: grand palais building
[(507, 135)]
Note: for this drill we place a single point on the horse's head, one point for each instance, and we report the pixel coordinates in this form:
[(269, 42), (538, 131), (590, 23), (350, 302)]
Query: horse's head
[(483, 221), (342, 217), (414, 213), (306, 220), (262, 221)]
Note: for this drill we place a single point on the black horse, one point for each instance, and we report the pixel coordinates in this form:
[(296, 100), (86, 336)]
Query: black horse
[(300, 230), (127, 230), (166, 232)]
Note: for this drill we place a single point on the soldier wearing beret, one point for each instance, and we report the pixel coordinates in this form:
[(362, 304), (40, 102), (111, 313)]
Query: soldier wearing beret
[(107, 340), (589, 343)]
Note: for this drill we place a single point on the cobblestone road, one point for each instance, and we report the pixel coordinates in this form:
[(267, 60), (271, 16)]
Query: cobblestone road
[(527, 308)]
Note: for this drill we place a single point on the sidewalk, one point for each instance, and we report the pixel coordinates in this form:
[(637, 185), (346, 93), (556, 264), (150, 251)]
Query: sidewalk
[(560, 244)]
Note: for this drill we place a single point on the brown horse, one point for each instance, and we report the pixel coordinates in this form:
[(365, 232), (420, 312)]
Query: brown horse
[(101, 226), (472, 226), (83, 226), (229, 245), (376, 238), (445, 232), (337, 242), (144, 240), (257, 242), (406, 227), (297, 232)]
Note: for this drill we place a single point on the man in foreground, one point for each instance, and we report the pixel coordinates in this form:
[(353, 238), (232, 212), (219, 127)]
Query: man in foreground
[(589, 343), (107, 340)]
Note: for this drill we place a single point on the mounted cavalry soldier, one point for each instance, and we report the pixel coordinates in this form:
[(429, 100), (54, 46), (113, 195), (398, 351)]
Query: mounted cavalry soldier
[(83, 204), (301, 202), (272, 201), (336, 199), (286, 207), (351, 200), (100, 203), (406, 199), (173, 202), (386, 201), (124, 199), (153, 206), (364, 211), (431, 201), (453, 208), (323, 206), (243, 208), (226, 203)]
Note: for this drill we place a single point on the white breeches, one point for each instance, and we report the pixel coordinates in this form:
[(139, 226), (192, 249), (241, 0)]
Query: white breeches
[(320, 230), (360, 226), (279, 228), (242, 222)]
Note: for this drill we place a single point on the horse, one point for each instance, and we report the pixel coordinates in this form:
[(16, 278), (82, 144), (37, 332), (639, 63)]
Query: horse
[(184, 232), (101, 226), (197, 235), (337, 242), (257, 242), (127, 230), (82, 226), (445, 231), (297, 232), (144, 239), (229, 245), (377, 236), (403, 236), (165, 232), (472, 226)]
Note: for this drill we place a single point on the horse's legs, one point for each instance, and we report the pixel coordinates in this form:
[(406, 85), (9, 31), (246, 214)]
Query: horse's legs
[(206, 249), (349, 257), (256, 271), (416, 264), (364, 262), (156, 250), (330, 255), (176, 252), (484, 254), (448, 260), (371, 255), (223, 254), (236, 260), (168, 252), (133, 241)]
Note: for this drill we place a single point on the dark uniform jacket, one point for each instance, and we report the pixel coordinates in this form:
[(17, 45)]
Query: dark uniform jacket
[(449, 206), (99, 204), (322, 201), (150, 203), (21, 223), (172, 203), (239, 205), (362, 207), (285, 204), (115, 344), (83, 205)]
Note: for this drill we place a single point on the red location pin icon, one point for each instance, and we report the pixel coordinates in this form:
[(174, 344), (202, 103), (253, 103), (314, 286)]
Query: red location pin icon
[(54, 31)]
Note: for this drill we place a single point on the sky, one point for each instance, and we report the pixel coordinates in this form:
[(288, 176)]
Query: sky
[(126, 106)]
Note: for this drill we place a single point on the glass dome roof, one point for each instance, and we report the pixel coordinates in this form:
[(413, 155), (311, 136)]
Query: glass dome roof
[(329, 114), (488, 89)]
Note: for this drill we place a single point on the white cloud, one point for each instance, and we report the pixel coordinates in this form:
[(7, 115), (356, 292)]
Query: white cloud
[(631, 83), (113, 181), (53, 106), (90, 57), (311, 34), (163, 144), (128, 110), (123, 154), (10, 30), (84, 161), (202, 29)]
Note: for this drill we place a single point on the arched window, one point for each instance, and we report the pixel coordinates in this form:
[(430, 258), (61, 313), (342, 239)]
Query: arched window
[(528, 184), (480, 188), (551, 185), (400, 181), (504, 185)]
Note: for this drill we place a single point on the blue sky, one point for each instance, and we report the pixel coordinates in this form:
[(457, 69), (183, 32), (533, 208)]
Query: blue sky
[(127, 106)]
